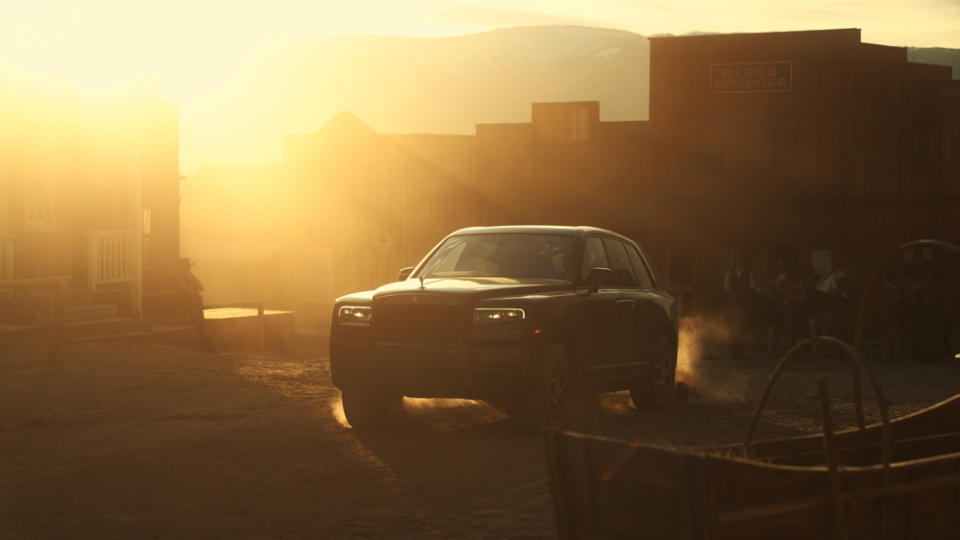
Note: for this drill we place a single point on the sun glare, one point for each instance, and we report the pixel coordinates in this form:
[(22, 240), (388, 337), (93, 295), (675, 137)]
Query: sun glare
[(187, 45)]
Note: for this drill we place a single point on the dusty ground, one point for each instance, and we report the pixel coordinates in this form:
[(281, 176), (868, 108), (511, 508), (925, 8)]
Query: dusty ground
[(135, 441)]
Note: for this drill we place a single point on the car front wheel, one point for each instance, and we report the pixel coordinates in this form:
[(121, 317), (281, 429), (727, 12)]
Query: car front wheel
[(364, 407), (564, 405)]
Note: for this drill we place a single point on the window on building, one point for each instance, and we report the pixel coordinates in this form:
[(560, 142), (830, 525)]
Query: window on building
[(40, 199)]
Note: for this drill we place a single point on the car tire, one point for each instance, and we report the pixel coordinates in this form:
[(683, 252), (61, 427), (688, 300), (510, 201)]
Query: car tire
[(563, 405), (658, 390), (365, 408)]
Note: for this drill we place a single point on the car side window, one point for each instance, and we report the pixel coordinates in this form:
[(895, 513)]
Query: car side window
[(620, 263), (644, 281), (593, 256)]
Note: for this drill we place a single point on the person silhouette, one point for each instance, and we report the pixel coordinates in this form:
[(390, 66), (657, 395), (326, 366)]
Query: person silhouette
[(738, 283)]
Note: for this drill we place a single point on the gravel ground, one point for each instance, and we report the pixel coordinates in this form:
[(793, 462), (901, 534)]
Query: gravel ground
[(149, 441)]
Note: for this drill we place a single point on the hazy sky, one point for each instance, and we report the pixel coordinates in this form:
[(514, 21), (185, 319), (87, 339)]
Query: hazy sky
[(190, 48), (100, 42)]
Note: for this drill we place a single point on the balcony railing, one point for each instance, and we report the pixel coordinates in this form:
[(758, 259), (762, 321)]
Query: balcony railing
[(110, 257)]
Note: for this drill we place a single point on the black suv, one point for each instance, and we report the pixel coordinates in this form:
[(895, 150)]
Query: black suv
[(531, 319)]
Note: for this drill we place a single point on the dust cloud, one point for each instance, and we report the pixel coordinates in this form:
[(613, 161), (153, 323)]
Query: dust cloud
[(336, 409), (410, 406), (695, 336), (617, 403), (426, 404)]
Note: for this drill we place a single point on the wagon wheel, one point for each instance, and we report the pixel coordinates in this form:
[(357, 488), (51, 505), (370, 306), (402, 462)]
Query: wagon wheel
[(881, 268), (858, 365)]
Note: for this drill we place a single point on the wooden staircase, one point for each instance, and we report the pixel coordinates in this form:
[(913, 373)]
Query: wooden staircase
[(93, 316), (97, 316)]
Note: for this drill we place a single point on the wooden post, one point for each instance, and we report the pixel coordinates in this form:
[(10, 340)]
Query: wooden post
[(263, 330), (830, 447), (57, 326)]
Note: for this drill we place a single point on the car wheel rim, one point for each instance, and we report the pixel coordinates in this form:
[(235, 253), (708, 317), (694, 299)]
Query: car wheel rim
[(662, 375), (559, 376)]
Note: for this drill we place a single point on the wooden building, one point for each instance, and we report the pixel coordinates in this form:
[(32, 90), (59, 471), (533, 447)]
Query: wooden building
[(346, 209), (807, 147), (810, 147), (567, 167), (89, 191), (370, 204)]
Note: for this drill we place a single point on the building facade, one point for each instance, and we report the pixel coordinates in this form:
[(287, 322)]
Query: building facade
[(370, 204), (807, 147), (89, 190), (567, 167)]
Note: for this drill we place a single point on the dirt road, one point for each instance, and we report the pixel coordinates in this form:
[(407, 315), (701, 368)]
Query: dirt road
[(137, 441)]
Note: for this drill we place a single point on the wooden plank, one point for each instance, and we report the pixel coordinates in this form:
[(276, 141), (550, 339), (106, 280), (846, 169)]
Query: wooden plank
[(836, 495)]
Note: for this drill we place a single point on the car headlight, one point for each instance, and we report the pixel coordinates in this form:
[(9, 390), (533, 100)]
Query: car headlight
[(484, 316), (354, 315)]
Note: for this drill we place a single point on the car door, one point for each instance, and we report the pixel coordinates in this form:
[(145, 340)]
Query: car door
[(597, 317), (649, 317), (631, 359)]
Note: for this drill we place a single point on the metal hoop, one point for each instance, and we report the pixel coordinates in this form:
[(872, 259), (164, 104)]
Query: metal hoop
[(858, 365)]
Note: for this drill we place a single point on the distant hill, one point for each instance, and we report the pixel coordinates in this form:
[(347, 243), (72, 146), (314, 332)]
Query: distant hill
[(433, 85)]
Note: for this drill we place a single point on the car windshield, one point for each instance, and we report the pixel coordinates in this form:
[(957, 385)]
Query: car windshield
[(509, 255)]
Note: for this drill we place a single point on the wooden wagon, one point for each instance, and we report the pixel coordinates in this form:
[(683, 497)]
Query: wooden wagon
[(897, 479)]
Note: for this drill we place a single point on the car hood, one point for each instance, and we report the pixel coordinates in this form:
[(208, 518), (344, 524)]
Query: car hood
[(479, 286)]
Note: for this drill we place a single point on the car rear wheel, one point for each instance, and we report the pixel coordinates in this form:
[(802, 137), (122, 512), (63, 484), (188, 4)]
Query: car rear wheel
[(364, 407), (658, 390)]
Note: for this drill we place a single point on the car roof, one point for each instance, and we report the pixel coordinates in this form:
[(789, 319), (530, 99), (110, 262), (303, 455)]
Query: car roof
[(578, 230)]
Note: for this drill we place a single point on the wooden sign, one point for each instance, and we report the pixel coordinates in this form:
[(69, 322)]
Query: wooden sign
[(751, 77)]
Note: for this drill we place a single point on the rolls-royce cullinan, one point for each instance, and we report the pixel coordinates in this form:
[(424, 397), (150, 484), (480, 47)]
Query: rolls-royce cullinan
[(532, 319)]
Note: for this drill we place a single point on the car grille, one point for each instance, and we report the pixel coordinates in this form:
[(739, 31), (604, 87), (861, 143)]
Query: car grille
[(425, 324)]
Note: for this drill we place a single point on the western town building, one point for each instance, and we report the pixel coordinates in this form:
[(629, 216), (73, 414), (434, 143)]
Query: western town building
[(89, 192), (808, 147), (346, 209)]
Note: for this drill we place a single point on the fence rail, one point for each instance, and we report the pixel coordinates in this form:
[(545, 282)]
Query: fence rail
[(110, 257)]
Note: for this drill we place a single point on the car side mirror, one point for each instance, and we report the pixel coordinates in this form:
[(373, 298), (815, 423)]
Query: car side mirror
[(599, 277), (405, 273)]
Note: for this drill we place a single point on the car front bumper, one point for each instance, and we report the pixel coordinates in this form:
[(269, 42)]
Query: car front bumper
[(453, 371)]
